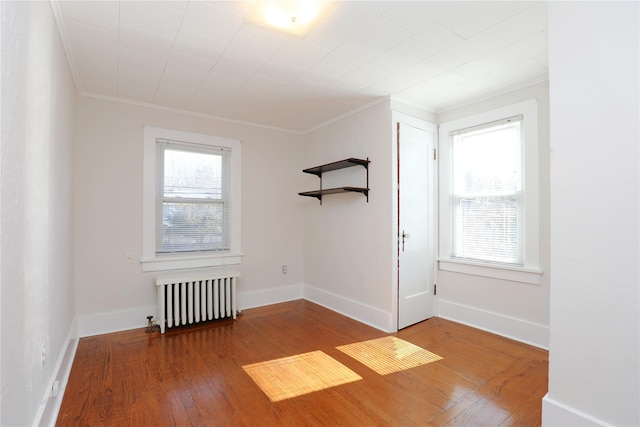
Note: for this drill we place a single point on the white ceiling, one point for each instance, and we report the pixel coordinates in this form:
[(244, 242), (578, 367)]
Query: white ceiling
[(205, 57)]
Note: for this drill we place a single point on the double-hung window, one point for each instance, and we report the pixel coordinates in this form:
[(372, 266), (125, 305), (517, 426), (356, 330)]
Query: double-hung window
[(489, 205), (191, 200), (487, 192)]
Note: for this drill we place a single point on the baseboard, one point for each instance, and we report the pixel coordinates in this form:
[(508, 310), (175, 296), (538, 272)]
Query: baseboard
[(114, 321), (104, 323), (269, 296), (366, 314), (48, 412), (556, 414), (506, 326)]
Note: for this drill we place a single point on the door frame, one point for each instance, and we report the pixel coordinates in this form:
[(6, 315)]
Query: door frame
[(421, 124)]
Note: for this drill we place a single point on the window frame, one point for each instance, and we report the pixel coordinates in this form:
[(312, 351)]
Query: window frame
[(180, 260), (529, 271)]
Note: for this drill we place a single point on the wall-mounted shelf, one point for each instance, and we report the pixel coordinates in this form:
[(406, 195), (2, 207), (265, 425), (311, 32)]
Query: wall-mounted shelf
[(341, 164)]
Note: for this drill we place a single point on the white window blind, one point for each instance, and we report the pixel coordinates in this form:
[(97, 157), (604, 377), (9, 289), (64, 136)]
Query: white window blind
[(192, 212), (488, 192)]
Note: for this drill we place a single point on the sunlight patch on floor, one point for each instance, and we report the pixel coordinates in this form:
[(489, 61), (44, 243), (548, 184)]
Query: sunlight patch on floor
[(296, 375), (388, 354)]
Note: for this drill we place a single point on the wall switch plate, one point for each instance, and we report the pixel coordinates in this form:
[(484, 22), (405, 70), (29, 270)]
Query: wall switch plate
[(284, 269)]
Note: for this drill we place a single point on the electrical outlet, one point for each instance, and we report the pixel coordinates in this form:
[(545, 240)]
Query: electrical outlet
[(43, 354), (284, 269), (55, 388), (129, 257)]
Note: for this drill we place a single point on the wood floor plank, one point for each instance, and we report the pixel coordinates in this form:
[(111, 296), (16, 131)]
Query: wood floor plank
[(194, 376)]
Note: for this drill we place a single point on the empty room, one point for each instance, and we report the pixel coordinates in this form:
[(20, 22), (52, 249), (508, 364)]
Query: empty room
[(398, 213)]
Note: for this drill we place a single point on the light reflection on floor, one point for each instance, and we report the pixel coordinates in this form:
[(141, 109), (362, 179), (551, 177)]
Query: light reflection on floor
[(389, 354), (305, 373), (300, 374)]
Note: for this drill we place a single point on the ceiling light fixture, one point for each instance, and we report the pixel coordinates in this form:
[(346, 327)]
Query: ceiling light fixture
[(292, 16)]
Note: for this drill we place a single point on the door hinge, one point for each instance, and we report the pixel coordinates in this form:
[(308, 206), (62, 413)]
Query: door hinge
[(435, 289), (434, 154)]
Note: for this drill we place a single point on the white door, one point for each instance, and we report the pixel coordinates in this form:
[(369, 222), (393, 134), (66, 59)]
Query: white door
[(416, 222)]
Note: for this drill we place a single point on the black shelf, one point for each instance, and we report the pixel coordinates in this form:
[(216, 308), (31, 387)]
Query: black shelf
[(341, 164), (319, 193)]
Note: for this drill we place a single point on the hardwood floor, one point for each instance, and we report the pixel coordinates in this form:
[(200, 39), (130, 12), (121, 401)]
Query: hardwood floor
[(194, 376)]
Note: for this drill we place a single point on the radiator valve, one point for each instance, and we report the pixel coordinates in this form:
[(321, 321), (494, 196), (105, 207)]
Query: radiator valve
[(151, 325)]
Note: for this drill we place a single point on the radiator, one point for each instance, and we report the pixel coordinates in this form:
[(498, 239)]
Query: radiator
[(195, 297)]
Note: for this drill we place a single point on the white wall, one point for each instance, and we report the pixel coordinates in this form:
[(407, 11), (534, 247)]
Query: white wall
[(348, 243), (513, 309), (36, 252), (113, 295), (594, 350)]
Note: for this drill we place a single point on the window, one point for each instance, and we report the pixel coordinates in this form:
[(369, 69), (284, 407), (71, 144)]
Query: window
[(192, 213), (489, 194), (191, 200)]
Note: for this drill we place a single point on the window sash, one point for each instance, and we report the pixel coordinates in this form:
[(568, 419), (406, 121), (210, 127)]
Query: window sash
[(491, 233), (197, 218)]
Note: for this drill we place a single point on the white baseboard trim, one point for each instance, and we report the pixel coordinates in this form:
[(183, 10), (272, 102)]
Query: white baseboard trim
[(269, 296), (48, 411), (506, 326), (114, 321), (556, 414), (366, 314)]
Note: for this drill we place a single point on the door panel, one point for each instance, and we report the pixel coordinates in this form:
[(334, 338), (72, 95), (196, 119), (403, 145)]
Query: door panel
[(416, 223)]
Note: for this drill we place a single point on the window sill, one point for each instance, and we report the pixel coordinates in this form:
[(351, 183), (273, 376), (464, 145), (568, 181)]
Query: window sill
[(175, 262), (495, 271)]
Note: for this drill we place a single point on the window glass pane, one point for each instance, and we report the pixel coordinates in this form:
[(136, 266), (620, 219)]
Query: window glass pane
[(193, 227), (189, 174), (488, 161), (488, 228)]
